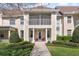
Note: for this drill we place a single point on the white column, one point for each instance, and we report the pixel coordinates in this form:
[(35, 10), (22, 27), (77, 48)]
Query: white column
[(53, 27), (33, 35), (26, 28), (46, 35), (9, 34)]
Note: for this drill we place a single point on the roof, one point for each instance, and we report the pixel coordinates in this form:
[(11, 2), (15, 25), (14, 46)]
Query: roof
[(12, 12), (38, 9), (41, 9), (64, 9)]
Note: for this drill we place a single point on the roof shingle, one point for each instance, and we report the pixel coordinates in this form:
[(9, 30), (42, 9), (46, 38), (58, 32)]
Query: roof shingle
[(68, 8)]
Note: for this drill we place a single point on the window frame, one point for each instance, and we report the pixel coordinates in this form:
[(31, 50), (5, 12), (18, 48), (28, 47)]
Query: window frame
[(12, 21), (22, 33), (58, 28), (69, 19), (21, 20), (48, 34), (31, 34), (69, 31)]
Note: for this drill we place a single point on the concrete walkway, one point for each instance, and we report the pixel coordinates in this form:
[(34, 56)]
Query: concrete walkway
[(40, 49)]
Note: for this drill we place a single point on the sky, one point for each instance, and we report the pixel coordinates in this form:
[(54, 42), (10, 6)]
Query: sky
[(52, 2), (63, 4), (41, 1), (58, 4)]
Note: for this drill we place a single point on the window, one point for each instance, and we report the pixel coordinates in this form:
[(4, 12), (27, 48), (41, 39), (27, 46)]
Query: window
[(69, 32), (58, 20), (31, 34), (1, 36), (48, 34), (12, 21), (22, 33), (22, 20), (39, 35), (58, 28), (68, 19)]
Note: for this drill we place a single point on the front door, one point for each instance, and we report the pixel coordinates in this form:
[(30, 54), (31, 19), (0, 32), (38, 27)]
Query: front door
[(39, 35)]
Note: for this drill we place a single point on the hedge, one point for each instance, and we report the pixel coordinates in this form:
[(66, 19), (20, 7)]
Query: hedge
[(64, 38), (75, 37)]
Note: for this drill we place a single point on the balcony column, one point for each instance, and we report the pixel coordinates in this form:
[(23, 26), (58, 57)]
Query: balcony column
[(26, 27), (46, 35), (53, 27)]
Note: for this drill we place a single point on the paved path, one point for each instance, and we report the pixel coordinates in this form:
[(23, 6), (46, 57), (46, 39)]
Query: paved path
[(40, 49)]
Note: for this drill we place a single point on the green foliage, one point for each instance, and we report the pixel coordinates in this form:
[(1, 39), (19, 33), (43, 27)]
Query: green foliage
[(23, 44), (15, 52), (64, 38), (14, 37), (75, 37), (16, 49), (48, 41)]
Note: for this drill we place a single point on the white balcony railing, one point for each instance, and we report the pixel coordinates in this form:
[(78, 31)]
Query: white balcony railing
[(40, 19), (40, 22)]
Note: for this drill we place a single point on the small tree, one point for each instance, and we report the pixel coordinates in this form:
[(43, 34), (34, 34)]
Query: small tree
[(75, 37), (14, 37)]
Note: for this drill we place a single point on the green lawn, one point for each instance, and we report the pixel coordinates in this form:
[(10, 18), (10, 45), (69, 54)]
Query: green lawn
[(63, 50)]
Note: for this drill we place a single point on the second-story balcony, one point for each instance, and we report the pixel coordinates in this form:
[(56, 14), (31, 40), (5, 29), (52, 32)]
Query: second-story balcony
[(40, 19)]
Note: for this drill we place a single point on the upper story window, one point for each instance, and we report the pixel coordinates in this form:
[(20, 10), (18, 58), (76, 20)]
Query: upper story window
[(58, 20), (22, 20), (58, 28), (69, 32), (12, 21), (40, 19), (68, 19)]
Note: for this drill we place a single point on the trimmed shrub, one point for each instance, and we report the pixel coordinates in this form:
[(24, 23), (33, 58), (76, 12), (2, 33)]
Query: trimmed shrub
[(48, 41), (14, 37), (72, 44), (23, 44), (75, 37), (66, 44), (64, 38), (58, 42)]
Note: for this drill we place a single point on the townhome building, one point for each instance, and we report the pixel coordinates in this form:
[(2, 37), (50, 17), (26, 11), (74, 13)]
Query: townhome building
[(39, 23)]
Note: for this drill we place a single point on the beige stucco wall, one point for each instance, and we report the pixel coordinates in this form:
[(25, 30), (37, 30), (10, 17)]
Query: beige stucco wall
[(68, 26), (6, 22)]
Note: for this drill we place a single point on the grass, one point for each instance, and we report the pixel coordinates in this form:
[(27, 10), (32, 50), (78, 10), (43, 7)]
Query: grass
[(58, 50)]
